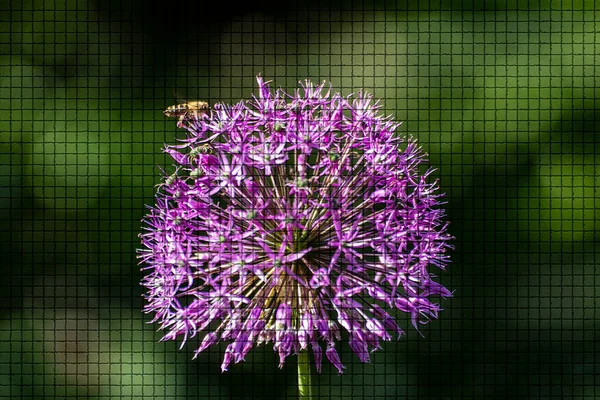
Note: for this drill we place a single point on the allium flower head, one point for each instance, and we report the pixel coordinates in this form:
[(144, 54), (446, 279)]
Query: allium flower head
[(290, 219)]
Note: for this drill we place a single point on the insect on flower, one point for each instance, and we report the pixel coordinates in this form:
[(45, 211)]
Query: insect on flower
[(192, 109), (289, 219)]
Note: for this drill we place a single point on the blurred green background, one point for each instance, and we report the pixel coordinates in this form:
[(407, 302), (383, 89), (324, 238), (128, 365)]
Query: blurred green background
[(502, 95)]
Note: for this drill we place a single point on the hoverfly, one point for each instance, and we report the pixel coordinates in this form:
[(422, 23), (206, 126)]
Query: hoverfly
[(192, 109)]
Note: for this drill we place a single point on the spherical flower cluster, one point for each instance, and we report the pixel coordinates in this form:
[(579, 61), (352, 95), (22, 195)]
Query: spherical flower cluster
[(289, 219)]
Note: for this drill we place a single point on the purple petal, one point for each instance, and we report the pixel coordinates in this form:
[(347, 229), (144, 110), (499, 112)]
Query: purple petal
[(229, 356), (359, 347), (334, 358), (179, 158), (318, 354)]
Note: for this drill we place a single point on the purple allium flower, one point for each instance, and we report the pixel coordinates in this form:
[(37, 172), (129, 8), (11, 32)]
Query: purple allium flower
[(290, 219)]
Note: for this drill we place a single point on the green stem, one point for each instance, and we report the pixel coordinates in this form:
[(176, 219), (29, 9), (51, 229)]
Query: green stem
[(304, 381)]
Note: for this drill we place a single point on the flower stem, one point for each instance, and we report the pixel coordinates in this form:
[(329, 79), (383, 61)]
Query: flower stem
[(304, 378)]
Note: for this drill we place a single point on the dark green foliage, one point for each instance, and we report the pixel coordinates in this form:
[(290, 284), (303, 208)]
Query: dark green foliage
[(502, 95)]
